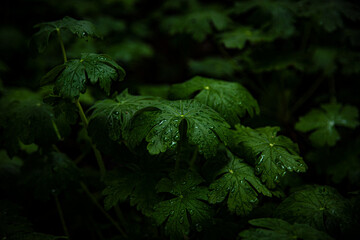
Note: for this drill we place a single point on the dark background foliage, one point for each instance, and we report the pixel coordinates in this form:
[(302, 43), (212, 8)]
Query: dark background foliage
[(293, 56)]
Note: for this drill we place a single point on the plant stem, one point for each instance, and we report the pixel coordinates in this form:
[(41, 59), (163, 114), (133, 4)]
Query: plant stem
[(61, 44), (81, 113), (56, 130), (61, 215), (193, 159), (96, 151), (116, 225)]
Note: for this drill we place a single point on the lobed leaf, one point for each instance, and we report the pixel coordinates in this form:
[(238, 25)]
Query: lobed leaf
[(230, 99), (186, 208), (81, 28), (238, 182), (71, 77), (273, 228), (274, 156), (321, 207), (161, 129), (322, 122)]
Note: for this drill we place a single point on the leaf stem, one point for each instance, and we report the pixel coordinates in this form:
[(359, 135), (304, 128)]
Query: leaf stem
[(96, 151), (82, 113), (61, 215), (61, 44), (116, 225), (193, 159), (56, 129)]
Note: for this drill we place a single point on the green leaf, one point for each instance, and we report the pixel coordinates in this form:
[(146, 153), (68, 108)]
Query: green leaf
[(279, 15), (161, 129), (71, 77), (198, 23), (237, 180), (238, 37), (9, 165), (186, 208), (117, 113), (273, 228), (136, 182), (273, 155), (321, 207), (230, 99), (329, 14), (214, 67), (324, 59), (130, 51), (81, 28), (28, 119), (322, 122)]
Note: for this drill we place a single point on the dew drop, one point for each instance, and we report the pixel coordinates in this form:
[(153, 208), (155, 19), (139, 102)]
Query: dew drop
[(181, 220), (183, 183), (182, 211), (172, 212), (191, 212), (116, 113), (84, 34)]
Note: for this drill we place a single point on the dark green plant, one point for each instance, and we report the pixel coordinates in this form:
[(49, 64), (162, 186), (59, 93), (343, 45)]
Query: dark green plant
[(243, 140)]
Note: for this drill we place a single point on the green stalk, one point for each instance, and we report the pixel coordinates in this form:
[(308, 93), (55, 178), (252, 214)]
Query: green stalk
[(61, 44), (56, 130), (93, 199), (61, 215), (193, 159), (82, 114)]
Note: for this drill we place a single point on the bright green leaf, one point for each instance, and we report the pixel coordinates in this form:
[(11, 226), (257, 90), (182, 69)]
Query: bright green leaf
[(71, 77), (230, 99), (237, 180), (274, 155), (186, 209), (161, 129)]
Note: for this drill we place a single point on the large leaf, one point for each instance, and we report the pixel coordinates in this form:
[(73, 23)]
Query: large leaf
[(237, 180), (321, 207), (273, 228), (186, 208), (204, 127), (116, 114), (230, 99), (136, 182), (322, 122), (274, 155), (81, 28), (71, 77)]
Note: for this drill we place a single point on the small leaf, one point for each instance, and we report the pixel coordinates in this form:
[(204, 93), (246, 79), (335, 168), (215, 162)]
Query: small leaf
[(71, 77), (81, 28), (230, 99), (237, 181), (322, 122), (273, 155), (186, 208)]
